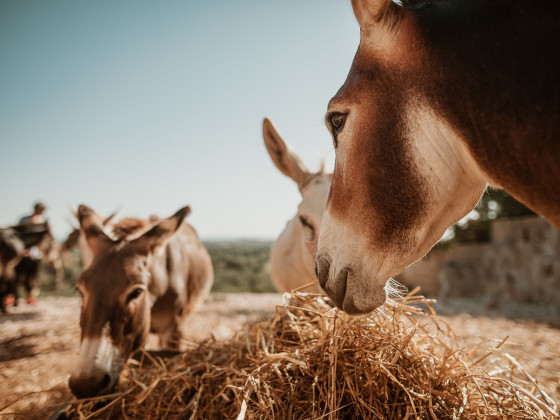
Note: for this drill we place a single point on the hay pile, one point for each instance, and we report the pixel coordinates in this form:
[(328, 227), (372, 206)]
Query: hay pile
[(312, 361)]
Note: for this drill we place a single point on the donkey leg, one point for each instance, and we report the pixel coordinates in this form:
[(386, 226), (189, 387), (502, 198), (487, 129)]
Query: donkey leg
[(3, 293), (32, 283), (14, 287), (172, 338)]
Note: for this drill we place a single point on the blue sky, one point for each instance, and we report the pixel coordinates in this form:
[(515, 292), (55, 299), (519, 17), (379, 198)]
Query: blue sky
[(147, 106)]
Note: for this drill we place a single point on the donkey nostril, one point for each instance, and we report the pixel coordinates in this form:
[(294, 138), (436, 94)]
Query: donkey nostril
[(73, 384), (322, 266), (88, 386), (106, 381)]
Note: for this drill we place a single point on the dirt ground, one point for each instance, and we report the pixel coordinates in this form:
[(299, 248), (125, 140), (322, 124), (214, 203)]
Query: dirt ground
[(38, 344)]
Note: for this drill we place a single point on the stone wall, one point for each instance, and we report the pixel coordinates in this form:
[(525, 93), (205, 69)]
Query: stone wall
[(424, 273), (521, 263)]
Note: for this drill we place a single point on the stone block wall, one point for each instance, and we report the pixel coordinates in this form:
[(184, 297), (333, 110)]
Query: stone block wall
[(521, 263)]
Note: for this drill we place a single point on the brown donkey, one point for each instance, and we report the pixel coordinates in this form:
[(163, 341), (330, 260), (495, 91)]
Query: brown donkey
[(443, 98), (148, 282)]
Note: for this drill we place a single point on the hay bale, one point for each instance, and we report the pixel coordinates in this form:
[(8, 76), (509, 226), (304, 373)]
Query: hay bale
[(312, 361)]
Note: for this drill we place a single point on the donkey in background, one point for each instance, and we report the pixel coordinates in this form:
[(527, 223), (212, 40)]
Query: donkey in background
[(293, 254), (148, 281)]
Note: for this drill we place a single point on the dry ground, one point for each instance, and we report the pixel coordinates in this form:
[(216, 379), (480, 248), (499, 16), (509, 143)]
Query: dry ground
[(38, 344)]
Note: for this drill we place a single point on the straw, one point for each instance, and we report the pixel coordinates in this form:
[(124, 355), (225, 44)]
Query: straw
[(312, 361)]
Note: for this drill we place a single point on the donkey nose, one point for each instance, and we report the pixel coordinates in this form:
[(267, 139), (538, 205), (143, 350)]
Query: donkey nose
[(90, 385), (322, 267)]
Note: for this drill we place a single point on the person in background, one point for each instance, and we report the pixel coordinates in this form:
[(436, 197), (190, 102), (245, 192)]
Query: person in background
[(32, 230), (37, 218), (34, 223)]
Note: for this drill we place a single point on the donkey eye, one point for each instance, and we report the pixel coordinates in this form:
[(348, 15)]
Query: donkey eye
[(135, 294), (310, 230), (336, 122)]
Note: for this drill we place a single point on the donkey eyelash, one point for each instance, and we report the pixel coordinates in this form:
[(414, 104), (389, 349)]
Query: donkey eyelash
[(335, 122), (135, 294), (308, 225)]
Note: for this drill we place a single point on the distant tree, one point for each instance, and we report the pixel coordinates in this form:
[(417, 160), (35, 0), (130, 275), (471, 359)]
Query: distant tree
[(494, 204), (240, 266)]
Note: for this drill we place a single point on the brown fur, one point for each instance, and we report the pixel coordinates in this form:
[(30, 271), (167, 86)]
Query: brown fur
[(122, 229), (129, 226), (510, 122), (487, 72), (380, 179), (134, 286), (508, 107)]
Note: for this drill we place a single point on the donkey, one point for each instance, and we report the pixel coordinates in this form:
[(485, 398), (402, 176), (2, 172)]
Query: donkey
[(22, 249), (442, 99), (76, 238), (293, 254), (40, 247), (147, 282), (11, 252)]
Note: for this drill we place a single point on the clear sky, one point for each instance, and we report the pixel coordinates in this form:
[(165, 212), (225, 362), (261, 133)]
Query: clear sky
[(146, 106)]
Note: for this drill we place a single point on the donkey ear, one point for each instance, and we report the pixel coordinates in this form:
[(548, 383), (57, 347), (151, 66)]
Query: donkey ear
[(92, 225), (283, 157), (157, 235), (108, 219), (370, 12)]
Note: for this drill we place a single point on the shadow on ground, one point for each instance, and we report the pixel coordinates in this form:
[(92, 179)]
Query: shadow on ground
[(496, 309), (17, 348), (18, 317)]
